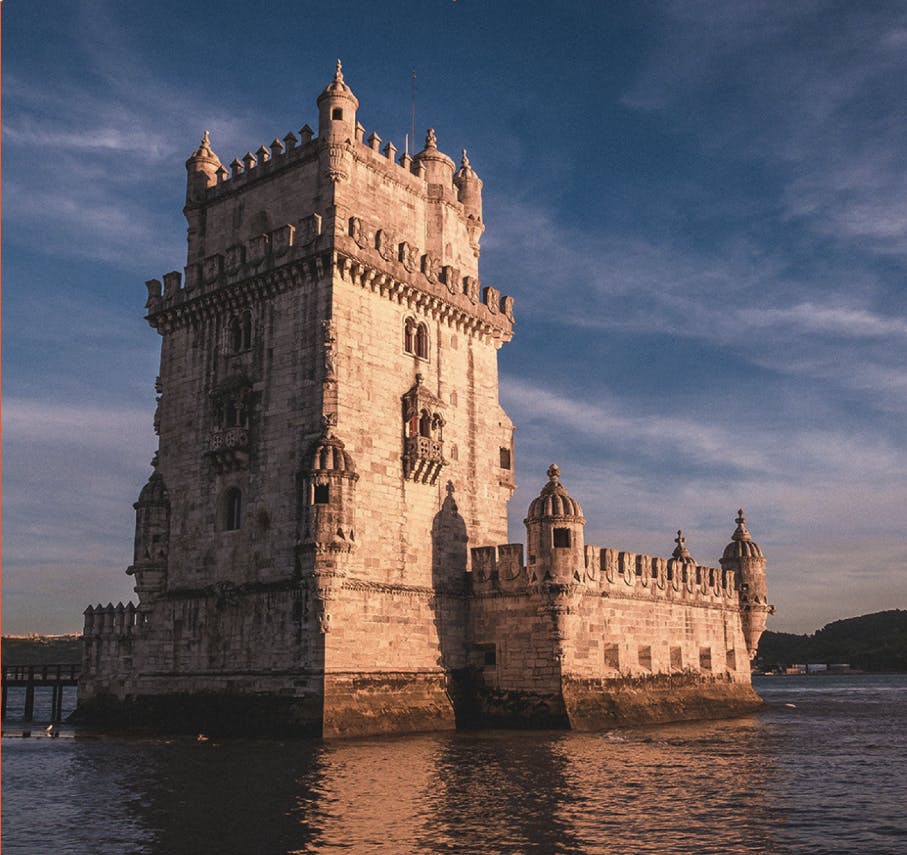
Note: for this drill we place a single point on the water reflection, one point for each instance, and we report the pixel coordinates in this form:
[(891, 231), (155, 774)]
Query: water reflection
[(793, 779)]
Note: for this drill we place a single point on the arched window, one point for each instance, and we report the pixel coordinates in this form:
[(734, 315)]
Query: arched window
[(422, 341), (409, 336), (425, 423), (241, 332), (233, 509)]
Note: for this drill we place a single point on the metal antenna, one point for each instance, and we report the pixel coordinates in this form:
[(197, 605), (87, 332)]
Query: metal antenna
[(412, 125)]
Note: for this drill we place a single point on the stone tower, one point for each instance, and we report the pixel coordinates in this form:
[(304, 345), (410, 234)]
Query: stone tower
[(330, 440), (744, 558)]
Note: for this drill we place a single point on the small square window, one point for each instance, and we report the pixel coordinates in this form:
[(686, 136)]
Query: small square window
[(322, 494), (562, 537)]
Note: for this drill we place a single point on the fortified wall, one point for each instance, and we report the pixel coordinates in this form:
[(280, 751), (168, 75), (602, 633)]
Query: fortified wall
[(314, 549)]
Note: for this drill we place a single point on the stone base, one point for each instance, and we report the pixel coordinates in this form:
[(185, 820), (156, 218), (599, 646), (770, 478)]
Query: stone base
[(369, 704), (603, 704), (211, 713)]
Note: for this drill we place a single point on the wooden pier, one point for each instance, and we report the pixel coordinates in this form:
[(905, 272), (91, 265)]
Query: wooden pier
[(31, 677)]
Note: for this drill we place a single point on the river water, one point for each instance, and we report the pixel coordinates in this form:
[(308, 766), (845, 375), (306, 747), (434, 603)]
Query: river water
[(823, 769)]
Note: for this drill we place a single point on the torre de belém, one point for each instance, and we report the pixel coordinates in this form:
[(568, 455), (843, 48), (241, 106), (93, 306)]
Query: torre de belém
[(321, 546)]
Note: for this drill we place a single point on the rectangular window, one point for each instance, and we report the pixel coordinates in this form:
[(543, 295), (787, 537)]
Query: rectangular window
[(322, 494), (505, 458), (731, 660), (487, 655), (705, 658), (645, 657), (562, 537), (676, 659), (612, 657)]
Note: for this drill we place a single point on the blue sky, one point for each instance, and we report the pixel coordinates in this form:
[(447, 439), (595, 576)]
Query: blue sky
[(700, 208)]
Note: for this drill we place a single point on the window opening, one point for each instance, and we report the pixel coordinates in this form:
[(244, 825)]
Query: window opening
[(422, 341), (233, 507), (337, 114), (505, 458), (562, 537), (322, 494)]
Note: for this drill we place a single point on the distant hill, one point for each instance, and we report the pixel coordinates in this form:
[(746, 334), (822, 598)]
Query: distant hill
[(41, 650), (876, 642)]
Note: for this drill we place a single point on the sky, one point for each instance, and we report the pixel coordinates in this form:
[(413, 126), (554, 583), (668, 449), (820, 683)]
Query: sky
[(699, 207)]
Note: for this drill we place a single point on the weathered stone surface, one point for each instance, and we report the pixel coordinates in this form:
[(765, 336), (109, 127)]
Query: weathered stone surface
[(316, 548)]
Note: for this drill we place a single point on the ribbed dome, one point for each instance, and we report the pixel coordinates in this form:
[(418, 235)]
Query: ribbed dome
[(554, 501), (204, 154), (465, 172), (330, 455), (742, 544), (154, 492), (681, 553), (337, 88)]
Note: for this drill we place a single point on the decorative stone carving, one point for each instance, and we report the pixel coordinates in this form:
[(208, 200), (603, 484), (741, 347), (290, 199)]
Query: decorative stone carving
[(193, 276), (386, 244), (234, 257), (282, 240), (492, 299), (337, 167), (408, 256), (358, 233), (257, 249), (329, 339), (507, 307), (213, 267), (471, 288), (451, 278), (431, 266), (153, 303), (309, 230)]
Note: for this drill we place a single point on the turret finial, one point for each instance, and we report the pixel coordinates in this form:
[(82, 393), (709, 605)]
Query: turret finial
[(554, 473), (431, 139), (464, 160), (338, 72), (741, 532), (681, 550)]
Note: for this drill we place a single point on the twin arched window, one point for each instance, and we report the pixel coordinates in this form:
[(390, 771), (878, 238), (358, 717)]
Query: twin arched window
[(241, 332), (415, 338)]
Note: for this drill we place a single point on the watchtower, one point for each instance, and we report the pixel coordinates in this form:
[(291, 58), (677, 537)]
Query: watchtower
[(328, 382)]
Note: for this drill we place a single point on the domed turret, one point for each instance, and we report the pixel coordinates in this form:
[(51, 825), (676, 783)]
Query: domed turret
[(201, 170), (554, 533), (744, 557), (742, 544), (337, 107), (439, 168), (152, 539), (469, 191), (328, 487), (681, 565)]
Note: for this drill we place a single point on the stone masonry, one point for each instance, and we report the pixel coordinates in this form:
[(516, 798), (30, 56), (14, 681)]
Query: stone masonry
[(315, 548)]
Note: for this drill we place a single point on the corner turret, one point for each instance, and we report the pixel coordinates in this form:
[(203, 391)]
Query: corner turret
[(439, 168), (328, 536), (337, 107), (202, 170), (554, 534), (469, 192), (744, 557), (152, 538)]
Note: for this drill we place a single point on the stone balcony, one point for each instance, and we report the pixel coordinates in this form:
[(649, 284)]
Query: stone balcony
[(228, 449), (423, 459)]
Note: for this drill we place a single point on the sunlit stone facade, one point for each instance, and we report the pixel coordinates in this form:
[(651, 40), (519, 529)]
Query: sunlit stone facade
[(316, 547)]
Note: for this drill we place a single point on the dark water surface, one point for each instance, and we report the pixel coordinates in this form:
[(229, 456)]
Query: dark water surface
[(828, 774)]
